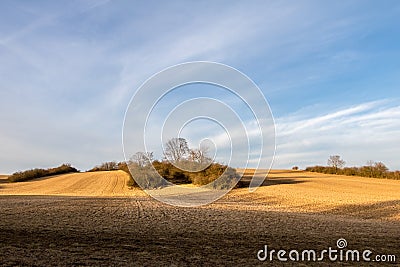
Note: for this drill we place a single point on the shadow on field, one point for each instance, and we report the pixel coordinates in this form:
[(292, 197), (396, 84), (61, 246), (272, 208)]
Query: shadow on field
[(380, 210), (245, 181), (286, 171), (3, 181), (281, 180)]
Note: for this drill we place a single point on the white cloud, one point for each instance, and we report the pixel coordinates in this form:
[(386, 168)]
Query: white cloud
[(359, 133)]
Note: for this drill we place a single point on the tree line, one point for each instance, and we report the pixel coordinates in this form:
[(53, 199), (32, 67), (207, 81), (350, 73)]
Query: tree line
[(37, 173), (371, 169)]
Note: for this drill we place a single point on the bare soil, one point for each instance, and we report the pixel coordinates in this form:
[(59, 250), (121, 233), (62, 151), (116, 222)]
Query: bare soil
[(94, 219)]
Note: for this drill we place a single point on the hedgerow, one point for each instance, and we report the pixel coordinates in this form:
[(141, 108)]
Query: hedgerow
[(37, 173)]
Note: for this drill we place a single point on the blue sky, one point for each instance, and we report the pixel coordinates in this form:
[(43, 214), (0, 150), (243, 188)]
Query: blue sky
[(330, 72)]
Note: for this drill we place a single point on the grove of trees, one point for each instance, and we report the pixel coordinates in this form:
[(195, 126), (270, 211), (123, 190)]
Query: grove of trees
[(181, 165)]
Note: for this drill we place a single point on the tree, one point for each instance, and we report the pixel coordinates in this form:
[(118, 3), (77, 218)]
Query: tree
[(376, 169), (336, 162), (176, 149), (109, 166), (105, 166), (370, 167), (380, 169), (199, 155), (143, 158)]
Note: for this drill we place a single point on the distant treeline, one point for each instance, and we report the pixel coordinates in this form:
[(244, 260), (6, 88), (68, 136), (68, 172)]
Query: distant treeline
[(109, 166), (37, 173), (373, 170)]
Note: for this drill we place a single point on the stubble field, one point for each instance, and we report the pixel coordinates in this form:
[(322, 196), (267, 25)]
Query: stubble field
[(95, 219)]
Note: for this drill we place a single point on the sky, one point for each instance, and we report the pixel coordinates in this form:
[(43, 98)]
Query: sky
[(330, 72)]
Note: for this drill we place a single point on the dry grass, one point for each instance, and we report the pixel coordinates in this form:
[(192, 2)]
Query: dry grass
[(103, 184)]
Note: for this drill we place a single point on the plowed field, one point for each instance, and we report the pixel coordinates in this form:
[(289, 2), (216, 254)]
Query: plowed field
[(94, 219)]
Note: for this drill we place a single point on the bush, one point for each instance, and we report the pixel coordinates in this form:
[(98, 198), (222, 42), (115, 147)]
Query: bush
[(106, 166), (37, 173), (171, 173), (216, 176), (227, 180), (145, 177)]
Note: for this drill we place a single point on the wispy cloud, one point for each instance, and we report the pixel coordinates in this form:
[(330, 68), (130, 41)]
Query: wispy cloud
[(368, 131)]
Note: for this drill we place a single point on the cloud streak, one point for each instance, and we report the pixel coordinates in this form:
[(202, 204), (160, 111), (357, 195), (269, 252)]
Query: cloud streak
[(368, 131)]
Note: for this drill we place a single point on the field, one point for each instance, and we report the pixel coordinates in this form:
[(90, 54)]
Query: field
[(95, 219)]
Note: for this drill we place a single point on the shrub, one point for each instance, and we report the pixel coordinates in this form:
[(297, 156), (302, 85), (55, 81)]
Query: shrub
[(216, 176), (37, 173), (145, 176), (171, 173), (106, 166), (227, 180)]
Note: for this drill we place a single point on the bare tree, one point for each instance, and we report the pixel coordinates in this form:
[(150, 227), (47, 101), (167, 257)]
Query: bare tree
[(176, 149), (370, 165), (199, 155), (380, 169), (143, 158), (194, 155), (336, 162), (109, 166)]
